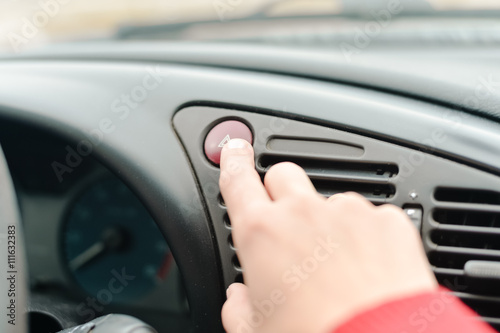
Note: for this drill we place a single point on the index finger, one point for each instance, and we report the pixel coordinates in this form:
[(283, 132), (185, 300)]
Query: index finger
[(239, 182)]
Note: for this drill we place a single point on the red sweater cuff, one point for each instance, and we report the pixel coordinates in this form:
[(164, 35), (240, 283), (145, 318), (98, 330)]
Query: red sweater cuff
[(432, 312)]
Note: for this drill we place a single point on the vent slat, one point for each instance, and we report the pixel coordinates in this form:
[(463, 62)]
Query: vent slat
[(466, 218), (448, 271), (329, 176), (453, 279), (494, 254), (455, 257), (332, 167), (492, 321), (369, 191), (468, 240), (468, 229), (332, 176), (468, 207), (485, 306), (481, 298)]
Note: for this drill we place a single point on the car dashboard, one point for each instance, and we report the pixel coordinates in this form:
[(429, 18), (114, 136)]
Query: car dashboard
[(119, 197), (93, 246)]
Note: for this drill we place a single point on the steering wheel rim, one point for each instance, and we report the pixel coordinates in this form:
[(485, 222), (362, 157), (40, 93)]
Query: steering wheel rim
[(13, 283)]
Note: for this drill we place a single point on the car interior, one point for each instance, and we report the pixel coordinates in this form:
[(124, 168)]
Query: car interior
[(109, 195)]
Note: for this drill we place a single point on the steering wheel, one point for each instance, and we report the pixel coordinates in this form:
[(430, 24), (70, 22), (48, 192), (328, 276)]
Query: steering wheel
[(13, 283)]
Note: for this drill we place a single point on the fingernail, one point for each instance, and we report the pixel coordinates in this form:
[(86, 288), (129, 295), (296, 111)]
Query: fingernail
[(236, 143)]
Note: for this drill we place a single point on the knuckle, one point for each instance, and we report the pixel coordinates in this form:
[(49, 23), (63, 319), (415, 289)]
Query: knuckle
[(395, 217), (303, 199), (391, 211), (358, 198), (301, 205), (353, 202)]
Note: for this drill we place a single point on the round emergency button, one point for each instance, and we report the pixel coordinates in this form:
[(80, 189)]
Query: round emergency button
[(221, 134)]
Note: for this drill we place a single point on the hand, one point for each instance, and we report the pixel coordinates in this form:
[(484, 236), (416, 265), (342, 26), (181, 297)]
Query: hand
[(311, 263)]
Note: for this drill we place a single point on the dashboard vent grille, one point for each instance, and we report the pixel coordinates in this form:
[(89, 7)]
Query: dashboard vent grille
[(234, 259), (331, 176), (466, 226)]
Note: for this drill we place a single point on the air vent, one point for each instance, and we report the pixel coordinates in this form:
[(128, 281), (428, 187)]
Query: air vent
[(467, 196), (331, 176), (466, 228)]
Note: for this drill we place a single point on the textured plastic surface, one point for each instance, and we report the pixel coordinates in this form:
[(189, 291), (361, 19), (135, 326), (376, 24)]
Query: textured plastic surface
[(443, 78), (463, 78), (73, 98), (415, 178)]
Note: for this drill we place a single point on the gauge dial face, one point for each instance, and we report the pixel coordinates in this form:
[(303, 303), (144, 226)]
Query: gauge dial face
[(112, 246)]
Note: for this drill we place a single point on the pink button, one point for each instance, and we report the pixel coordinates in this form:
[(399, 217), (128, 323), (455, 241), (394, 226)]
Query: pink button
[(221, 134)]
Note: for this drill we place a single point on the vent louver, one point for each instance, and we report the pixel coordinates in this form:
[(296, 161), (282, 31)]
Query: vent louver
[(466, 227), (331, 176)]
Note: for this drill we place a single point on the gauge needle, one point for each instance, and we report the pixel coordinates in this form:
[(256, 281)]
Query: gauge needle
[(87, 255), (112, 239)]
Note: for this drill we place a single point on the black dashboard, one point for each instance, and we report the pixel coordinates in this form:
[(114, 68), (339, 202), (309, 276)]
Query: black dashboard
[(93, 246), (115, 132)]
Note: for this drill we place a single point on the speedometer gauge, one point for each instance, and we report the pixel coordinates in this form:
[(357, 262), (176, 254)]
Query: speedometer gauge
[(112, 247)]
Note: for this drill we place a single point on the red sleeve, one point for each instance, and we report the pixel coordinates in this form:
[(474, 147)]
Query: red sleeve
[(434, 312)]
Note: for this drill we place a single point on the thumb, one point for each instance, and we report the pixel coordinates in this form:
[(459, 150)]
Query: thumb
[(237, 310)]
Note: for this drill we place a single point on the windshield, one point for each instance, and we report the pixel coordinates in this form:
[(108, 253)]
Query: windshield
[(25, 24)]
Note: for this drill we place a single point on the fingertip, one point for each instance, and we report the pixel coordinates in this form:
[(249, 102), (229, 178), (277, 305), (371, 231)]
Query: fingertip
[(229, 291), (237, 147), (349, 195), (237, 308), (287, 179), (239, 182), (237, 153)]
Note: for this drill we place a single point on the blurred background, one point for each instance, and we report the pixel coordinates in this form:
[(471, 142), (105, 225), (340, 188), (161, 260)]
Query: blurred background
[(26, 24)]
